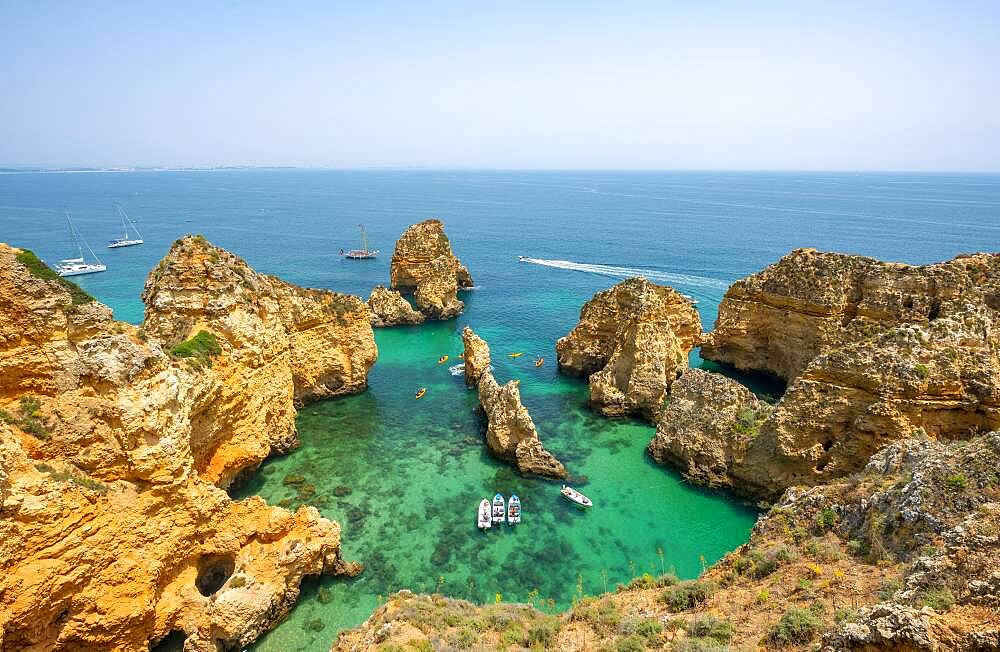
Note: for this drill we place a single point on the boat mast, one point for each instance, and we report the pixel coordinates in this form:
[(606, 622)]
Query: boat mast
[(73, 234), (364, 238), (125, 216)]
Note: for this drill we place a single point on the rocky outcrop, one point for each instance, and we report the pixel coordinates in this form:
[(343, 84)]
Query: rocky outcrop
[(876, 378), (510, 432), (810, 303), (476, 355), (423, 263), (389, 308), (709, 430), (631, 342), (115, 441)]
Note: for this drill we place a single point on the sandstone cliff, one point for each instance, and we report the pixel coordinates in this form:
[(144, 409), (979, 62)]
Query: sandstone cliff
[(476, 355), (901, 557), (114, 441), (423, 263), (910, 349), (632, 341), (389, 308), (510, 432)]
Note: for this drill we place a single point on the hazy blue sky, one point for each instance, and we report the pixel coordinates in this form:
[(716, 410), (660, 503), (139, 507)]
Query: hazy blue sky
[(790, 85)]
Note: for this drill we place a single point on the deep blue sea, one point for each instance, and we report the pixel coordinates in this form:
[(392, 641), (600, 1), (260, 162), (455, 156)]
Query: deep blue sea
[(415, 471)]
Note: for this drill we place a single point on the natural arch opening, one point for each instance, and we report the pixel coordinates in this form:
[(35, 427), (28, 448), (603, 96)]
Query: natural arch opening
[(213, 571)]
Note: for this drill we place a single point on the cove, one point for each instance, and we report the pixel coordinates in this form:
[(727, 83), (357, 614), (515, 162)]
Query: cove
[(403, 478)]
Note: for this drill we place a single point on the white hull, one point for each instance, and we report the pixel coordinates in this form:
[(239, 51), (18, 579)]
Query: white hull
[(483, 521), (117, 244), (499, 509), (514, 510), (575, 497), (89, 269)]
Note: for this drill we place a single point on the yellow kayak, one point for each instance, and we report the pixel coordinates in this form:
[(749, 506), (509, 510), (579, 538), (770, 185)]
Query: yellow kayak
[(421, 392), (515, 355), (539, 362), (443, 358)]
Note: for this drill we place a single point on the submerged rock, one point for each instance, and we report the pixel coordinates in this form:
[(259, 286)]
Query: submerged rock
[(389, 308), (632, 341), (423, 263), (510, 432), (476, 355), (115, 441)]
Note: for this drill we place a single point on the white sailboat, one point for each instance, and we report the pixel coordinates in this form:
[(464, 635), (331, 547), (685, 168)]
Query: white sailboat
[(364, 252), (77, 266), (126, 240)]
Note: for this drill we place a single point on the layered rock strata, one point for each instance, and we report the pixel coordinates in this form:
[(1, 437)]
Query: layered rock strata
[(114, 441), (632, 341), (424, 264), (909, 349), (389, 308), (510, 432)]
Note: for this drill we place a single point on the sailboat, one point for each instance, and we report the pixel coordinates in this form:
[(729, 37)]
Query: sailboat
[(125, 240), (77, 266), (364, 252)]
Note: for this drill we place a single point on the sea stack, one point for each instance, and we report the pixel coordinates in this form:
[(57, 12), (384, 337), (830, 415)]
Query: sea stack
[(424, 264), (390, 308), (116, 443), (510, 432), (896, 350), (632, 341)]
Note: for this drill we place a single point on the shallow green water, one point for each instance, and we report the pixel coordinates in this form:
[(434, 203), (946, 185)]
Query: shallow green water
[(418, 469)]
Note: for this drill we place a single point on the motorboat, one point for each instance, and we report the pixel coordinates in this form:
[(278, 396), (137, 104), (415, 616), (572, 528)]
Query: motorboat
[(575, 497), (514, 510), (499, 509), (483, 520)]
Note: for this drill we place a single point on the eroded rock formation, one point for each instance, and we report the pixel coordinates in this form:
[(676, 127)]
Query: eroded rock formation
[(389, 308), (424, 264), (708, 429), (632, 341), (908, 349), (476, 355), (115, 441), (510, 432)]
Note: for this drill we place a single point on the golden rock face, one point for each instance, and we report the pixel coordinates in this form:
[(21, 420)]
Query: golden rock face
[(875, 353), (389, 308), (631, 342), (424, 264), (114, 529)]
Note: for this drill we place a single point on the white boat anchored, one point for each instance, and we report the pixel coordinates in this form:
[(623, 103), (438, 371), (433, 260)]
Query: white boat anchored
[(126, 240), (483, 521), (77, 266), (575, 497), (499, 509), (514, 510), (364, 252)]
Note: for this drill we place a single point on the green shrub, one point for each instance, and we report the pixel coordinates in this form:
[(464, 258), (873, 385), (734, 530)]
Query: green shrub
[(602, 614), (687, 594), (543, 633), (696, 644), (939, 598), (797, 626), (922, 371), (826, 519), (631, 644), (38, 269), (747, 422), (463, 639), (199, 349), (888, 589), (644, 581), (956, 482), (513, 634), (711, 627)]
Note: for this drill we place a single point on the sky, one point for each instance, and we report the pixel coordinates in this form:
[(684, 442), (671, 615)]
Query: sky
[(843, 85)]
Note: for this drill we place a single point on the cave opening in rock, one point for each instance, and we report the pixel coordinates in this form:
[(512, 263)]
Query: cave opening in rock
[(213, 571), (172, 642)]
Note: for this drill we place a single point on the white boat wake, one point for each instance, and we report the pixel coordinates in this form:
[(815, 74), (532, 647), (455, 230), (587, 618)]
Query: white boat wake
[(457, 370), (628, 272)]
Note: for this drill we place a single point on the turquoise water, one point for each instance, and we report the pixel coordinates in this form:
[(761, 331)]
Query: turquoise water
[(402, 476)]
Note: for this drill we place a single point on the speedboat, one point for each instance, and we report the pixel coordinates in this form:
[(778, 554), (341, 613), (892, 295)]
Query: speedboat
[(575, 497), (499, 510), (522, 259), (514, 510), (483, 521)]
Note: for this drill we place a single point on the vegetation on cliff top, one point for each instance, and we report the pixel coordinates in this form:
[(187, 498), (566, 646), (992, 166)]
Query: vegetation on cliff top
[(40, 270)]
